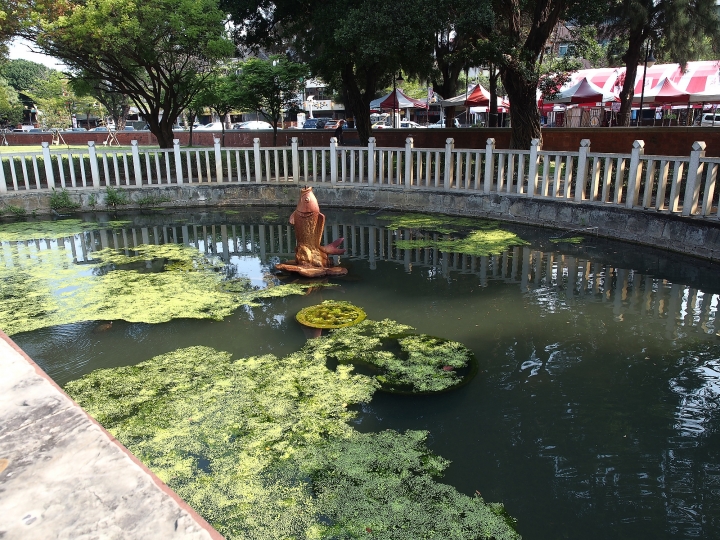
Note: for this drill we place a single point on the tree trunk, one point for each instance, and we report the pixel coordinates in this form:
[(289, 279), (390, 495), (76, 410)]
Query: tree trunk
[(162, 130), (631, 58), (492, 107), (359, 101), (524, 113)]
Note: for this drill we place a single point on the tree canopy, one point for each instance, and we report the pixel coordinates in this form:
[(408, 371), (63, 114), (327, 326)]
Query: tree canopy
[(158, 52)]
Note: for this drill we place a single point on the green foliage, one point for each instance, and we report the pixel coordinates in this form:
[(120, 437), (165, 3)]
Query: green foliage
[(556, 73), (152, 200), (401, 361), (116, 197), (155, 285), (61, 200), (24, 75), (158, 53), (331, 314), (270, 86), (262, 449), (92, 200), (11, 110), (17, 211)]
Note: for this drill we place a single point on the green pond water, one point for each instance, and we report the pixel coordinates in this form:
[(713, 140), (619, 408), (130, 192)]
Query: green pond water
[(595, 410)]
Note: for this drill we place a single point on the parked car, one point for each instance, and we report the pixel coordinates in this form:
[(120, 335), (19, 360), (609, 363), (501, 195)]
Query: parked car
[(380, 125), (441, 124), (76, 129), (212, 126), (100, 128), (331, 124), (253, 124), (129, 128), (405, 124), (707, 120), (314, 123)]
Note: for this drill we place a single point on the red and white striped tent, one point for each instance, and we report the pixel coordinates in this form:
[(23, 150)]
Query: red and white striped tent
[(396, 101), (664, 92), (583, 92), (700, 80)]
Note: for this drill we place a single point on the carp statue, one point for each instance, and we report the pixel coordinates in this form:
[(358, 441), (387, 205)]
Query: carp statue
[(311, 259)]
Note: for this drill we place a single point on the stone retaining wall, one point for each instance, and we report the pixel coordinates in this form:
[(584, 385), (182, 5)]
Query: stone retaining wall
[(686, 235)]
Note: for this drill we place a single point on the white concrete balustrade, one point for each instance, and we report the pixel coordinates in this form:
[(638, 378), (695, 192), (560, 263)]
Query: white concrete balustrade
[(683, 185)]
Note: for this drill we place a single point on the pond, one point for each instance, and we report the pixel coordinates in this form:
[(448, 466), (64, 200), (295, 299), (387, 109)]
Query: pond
[(595, 409)]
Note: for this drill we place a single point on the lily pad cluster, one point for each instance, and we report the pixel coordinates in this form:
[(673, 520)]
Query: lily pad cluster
[(398, 359), (331, 314), (469, 236), (261, 447), (155, 284)]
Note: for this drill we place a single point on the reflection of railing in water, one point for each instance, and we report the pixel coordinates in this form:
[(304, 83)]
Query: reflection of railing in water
[(567, 278)]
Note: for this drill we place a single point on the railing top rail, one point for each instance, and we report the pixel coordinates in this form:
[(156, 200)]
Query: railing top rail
[(652, 157), (513, 151), (563, 153), (608, 155), (8, 155), (437, 149)]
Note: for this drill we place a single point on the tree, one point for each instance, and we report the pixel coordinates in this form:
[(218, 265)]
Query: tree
[(23, 74), (360, 45), (115, 102), (56, 101), (11, 110), (156, 52), (222, 94), (270, 87)]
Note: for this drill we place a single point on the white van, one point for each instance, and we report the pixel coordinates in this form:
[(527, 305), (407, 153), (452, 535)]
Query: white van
[(707, 120)]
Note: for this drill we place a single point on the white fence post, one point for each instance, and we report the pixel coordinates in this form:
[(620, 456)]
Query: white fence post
[(257, 159), (333, 160), (47, 158), (581, 182), (533, 167), (218, 161), (136, 162), (178, 161), (489, 164), (635, 173), (3, 185), (94, 171), (449, 161), (371, 160), (295, 159), (408, 162), (692, 189)]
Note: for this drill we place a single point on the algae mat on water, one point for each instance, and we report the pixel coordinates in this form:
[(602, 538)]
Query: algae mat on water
[(21, 231), (41, 288), (469, 236), (261, 447)]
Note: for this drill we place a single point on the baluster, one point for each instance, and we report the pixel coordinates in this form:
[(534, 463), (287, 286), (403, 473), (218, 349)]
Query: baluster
[(71, 168), (662, 184), (546, 176), (556, 178), (501, 173), (675, 186), (595, 179), (568, 177), (649, 183), (23, 166), (709, 194), (619, 177), (510, 179), (37, 174), (521, 174)]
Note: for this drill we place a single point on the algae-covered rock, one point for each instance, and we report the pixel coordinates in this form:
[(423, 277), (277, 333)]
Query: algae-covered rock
[(261, 447), (331, 314), (399, 359)]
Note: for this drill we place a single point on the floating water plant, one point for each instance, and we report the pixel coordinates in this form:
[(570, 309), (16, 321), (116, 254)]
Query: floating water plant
[(157, 284), (400, 360), (32, 230), (261, 448), (435, 222), (331, 314), (570, 240), (470, 236), (478, 243)]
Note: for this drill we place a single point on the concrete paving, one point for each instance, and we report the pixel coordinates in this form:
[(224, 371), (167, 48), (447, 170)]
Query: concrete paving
[(62, 476)]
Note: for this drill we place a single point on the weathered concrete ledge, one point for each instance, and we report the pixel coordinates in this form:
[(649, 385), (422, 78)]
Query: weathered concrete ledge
[(63, 476), (687, 235)]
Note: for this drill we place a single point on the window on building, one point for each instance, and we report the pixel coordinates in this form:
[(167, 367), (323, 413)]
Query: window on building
[(562, 50)]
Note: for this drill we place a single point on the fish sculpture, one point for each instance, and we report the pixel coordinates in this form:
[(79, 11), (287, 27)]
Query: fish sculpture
[(311, 259)]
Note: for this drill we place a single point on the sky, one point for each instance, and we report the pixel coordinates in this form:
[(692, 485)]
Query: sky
[(20, 49)]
